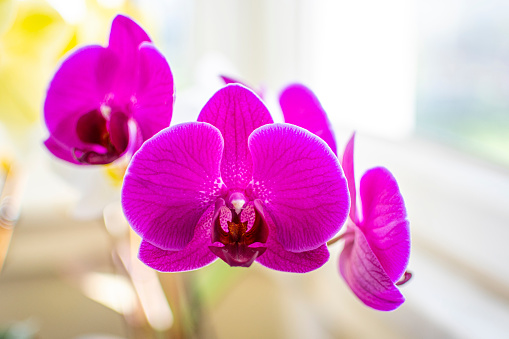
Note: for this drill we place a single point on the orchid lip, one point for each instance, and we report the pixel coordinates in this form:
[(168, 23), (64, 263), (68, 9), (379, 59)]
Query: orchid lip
[(106, 133), (236, 250)]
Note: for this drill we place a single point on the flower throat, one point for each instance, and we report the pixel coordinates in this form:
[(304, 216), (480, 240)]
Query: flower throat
[(237, 240)]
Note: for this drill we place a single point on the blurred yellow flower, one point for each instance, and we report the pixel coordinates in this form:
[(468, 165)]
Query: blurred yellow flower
[(29, 50), (6, 14), (34, 36)]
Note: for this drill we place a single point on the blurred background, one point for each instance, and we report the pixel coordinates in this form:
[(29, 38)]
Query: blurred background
[(425, 84)]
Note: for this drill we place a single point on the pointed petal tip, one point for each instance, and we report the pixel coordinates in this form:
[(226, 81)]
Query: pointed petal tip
[(124, 22)]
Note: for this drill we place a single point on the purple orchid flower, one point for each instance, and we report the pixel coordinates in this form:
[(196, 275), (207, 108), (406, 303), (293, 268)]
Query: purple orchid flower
[(104, 102), (235, 186), (377, 239)]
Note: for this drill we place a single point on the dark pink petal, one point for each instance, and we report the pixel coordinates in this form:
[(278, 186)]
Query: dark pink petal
[(194, 255), (125, 39), (348, 167), (277, 258), (385, 223), (365, 275), (171, 181), (301, 107), (79, 86), (155, 92), (300, 183), (236, 111)]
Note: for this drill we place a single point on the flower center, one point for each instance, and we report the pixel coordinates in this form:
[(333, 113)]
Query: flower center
[(236, 250), (107, 134)]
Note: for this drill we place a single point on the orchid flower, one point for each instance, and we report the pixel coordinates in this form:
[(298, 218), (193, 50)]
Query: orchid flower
[(377, 239), (104, 102), (235, 186)]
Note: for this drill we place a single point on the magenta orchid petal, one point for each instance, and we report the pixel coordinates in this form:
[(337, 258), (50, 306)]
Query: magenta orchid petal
[(125, 39), (79, 86), (193, 256), (301, 184), (348, 168), (301, 107), (277, 258), (155, 92), (365, 275), (236, 111), (171, 181), (385, 223)]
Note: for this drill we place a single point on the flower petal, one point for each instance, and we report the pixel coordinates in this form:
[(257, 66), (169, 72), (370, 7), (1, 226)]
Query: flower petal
[(236, 111), (365, 275), (300, 183), (195, 255), (78, 87), (301, 107), (126, 37), (155, 93), (385, 223), (277, 258), (348, 167), (171, 181)]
